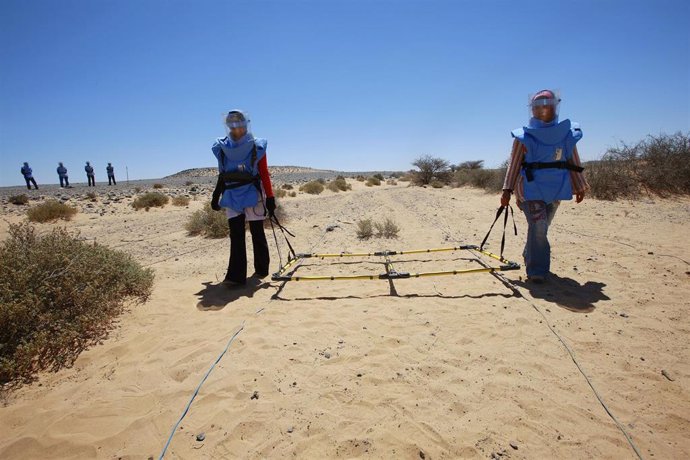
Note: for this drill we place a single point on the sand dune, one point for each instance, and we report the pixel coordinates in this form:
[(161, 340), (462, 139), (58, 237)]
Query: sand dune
[(445, 367)]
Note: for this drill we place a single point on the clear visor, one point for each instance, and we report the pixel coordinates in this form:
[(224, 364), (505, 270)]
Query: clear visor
[(537, 100), (544, 102), (236, 120)]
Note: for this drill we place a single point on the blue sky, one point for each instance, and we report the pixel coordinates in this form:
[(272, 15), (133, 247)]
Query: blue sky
[(351, 85)]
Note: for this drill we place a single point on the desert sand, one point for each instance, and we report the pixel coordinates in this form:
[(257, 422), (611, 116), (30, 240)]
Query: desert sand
[(443, 367)]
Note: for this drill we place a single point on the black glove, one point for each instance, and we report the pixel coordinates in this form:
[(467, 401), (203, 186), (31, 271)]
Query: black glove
[(215, 196), (271, 206)]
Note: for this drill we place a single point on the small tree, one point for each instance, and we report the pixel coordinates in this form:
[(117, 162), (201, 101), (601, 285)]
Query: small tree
[(475, 164), (430, 168)]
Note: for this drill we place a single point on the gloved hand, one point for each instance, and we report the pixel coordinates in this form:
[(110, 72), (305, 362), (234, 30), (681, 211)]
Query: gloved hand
[(271, 206), (215, 196)]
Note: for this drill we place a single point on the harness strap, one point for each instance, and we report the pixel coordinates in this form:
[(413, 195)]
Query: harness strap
[(505, 224), (529, 167)]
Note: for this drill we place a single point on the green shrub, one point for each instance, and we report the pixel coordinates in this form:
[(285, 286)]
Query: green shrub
[(59, 295), (431, 168), (50, 210), (207, 222), (379, 176), (365, 229), (19, 199), (150, 200), (180, 201), (339, 184), (313, 187), (157, 186), (387, 229), (372, 181)]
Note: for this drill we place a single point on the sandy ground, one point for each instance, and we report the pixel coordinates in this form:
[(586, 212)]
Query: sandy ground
[(443, 367)]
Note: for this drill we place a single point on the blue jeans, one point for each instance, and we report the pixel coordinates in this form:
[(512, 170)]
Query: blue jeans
[(537, 253)]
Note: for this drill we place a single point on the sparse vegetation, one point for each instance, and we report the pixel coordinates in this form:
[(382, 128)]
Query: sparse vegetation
[(471, 173), (435, 183), (158, 186), (313, 187), (137, 189), (280, 193), (188, 183), (657, 165), (292, 194), (339, 185), (431, 168), (379, 176), (372, 181), (150, 200), (180, 200), (391, 182), (59, 295), (93, 196), (19, 199), (207, 222), (287, 186), (360, 178), (366, 228), (49, 211)]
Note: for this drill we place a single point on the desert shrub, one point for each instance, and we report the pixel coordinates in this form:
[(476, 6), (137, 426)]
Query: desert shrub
[(407, 177), (93, 196), (313, 187), (430, 168), (157, 186), (180, 201), (137, 189), (339, 184), (50, 210), (387, 229), (360, 178), (59, 295), (150, 200), (19, 199), (657, 165), (490, 180), (365, 229), (435, 183), (392, 182), (287, 186), (372, 181), (379, 176), (292, 194), (188, 183), (280, 193), (207, 222), (321, 181)]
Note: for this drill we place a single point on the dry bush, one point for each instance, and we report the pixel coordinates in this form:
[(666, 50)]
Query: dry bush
[(490, 180), (365, 229), (19, 199), (372, 181), (150, 200), (207, 222), (392, 182), (339, 184), (292, 194), (180, 201), (387, 229), (313, 188), (435, 183), (360, 178), (59, 295), (93, 196), (188, 183), (379, 176), (280, 193), (50, 210), (157, 186), (431, 168), (287, 186), (137, 189)]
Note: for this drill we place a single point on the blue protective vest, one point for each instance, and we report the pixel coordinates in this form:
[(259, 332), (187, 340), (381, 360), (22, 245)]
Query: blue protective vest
[(549, 143), (62, 171), (89, 170), (27, 172), (237, 157)]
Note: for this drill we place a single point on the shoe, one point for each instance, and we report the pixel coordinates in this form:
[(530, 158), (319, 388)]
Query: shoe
[(259, 275), (536, 279)]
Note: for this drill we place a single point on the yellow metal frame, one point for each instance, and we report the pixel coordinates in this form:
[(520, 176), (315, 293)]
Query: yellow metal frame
[(286, 272)]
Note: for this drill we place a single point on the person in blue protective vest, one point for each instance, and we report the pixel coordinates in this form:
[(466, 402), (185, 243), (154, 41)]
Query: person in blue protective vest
[(90, 175), (27, 172), (62, 175), (544, 169), (111, 174), (244, 190)]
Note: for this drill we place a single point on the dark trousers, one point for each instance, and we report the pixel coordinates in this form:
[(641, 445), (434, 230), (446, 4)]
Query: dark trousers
[(237, 266), (92, 180), (64, 181), (29, 181), (111, 178)]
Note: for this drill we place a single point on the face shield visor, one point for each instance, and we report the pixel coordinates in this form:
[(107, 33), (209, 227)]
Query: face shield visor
[(237, 125), (544, 106)]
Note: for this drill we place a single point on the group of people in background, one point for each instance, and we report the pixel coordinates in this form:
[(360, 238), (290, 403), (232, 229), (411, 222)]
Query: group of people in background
[(27, 172)]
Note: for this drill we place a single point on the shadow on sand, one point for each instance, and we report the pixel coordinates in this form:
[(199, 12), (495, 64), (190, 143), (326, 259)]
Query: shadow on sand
[(567, 293), (214, 297)]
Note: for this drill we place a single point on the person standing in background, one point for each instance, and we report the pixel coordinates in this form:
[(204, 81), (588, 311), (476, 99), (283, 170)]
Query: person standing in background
[(27, 172), (62, 174), (90, 174), (111, 174)]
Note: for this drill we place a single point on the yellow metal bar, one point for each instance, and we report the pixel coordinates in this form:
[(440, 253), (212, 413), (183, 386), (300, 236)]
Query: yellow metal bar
[(333, 278), (385, 253)]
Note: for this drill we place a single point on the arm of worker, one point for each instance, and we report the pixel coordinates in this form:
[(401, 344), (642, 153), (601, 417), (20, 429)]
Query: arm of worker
[(517, 156), (578, 179), (268, 187)]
